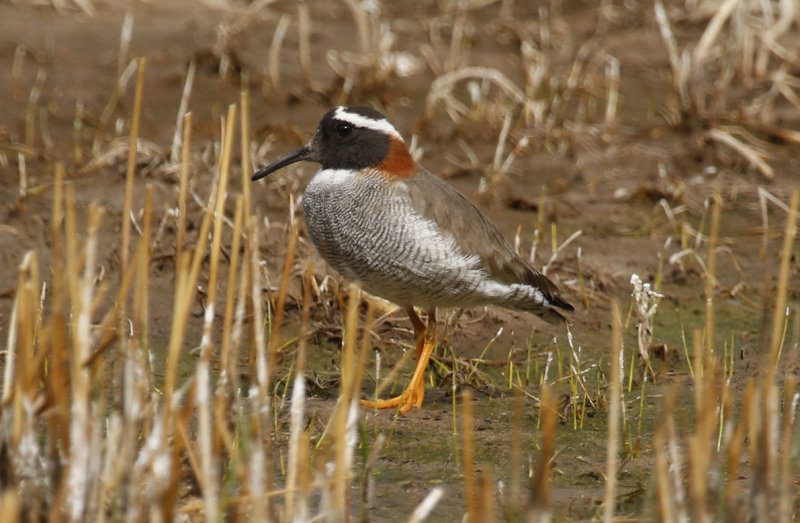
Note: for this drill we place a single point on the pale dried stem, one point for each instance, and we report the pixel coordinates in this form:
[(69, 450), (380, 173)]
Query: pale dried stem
[(125, 37), (185, 288), (441, 89), (424, 508), (786, 485), (612, 442), (80, 474), (77, 133), (304, 41), (275, 52), (182, 109), (227, 365), (297, 408), (783, 284), (664, 490), (755, 158), (346, 403), (183, 187), (711, 33), (208, 459), (33, 105), (20, 52), (539, 503), (556, 252), (459, 24), (363, 26), (788, 15), (711, 265), (612, 91), (260, 364), (131, 167)]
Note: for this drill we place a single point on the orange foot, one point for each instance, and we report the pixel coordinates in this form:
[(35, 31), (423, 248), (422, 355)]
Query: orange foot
[(411, 397), (415, 392)]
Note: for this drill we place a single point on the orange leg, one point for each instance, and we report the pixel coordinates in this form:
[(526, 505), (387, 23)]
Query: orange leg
[(425, 339)]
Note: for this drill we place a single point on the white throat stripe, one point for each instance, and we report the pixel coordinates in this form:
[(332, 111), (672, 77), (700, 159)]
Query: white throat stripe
[(368, 123)]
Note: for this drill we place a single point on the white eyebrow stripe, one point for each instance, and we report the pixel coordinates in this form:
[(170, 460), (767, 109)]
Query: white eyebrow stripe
[(368, 123)]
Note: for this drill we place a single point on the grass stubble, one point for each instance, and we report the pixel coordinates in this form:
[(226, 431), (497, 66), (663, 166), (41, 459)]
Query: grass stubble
[(92, 433)]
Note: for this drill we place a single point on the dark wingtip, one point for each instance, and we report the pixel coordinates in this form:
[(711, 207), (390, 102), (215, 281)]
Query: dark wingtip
[(559, 302)]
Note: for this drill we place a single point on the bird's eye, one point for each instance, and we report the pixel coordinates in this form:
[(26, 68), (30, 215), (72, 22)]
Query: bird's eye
[(343, 129)]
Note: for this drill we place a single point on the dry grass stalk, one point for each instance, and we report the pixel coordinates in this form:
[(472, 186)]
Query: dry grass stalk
[(17, 64), (277, 320), (183, 187), (245, 142), (81, 473), (228, 368), (33, 105), (662, 20), (346, 409), (275, 52), (735, 444), (247, 198), (539, 486), (182, 109), (294, 465), (111, 106), (699, 442), (558, 249), (131, 166), (256, 483), (711, 266), (663, 485), (755, 158), (441, 91), (763, 196), (612, 92), (513, 511), (786, 480), (22, 191), (259, 363), (612, 442), (125, 37), (769, 38), (423, 509), (140, 301), (77, 133), (208, 459), (304, 41), (185, 288), (711, 33), (783, 284), (485, 497), (469, 456), (459, 24)]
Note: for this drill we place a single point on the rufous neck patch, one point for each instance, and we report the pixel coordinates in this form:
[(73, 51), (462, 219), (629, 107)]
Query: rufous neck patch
[(398, 162)]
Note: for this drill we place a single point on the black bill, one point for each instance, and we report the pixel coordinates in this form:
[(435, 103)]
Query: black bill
[(299, 155)]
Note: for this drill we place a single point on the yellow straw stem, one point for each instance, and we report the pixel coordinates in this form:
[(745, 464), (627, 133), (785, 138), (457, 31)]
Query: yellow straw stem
[(469, 472), (132, 149), (783, 284)]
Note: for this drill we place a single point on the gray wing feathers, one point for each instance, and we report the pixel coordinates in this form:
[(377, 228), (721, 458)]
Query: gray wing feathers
[(475, 234)]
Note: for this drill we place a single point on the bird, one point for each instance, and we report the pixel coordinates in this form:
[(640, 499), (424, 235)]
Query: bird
[(406, 235)]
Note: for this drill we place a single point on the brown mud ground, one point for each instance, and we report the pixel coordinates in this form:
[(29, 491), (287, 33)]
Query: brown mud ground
[(605, 181)]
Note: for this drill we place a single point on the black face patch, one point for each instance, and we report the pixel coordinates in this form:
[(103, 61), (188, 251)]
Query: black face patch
[(343, 144)]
